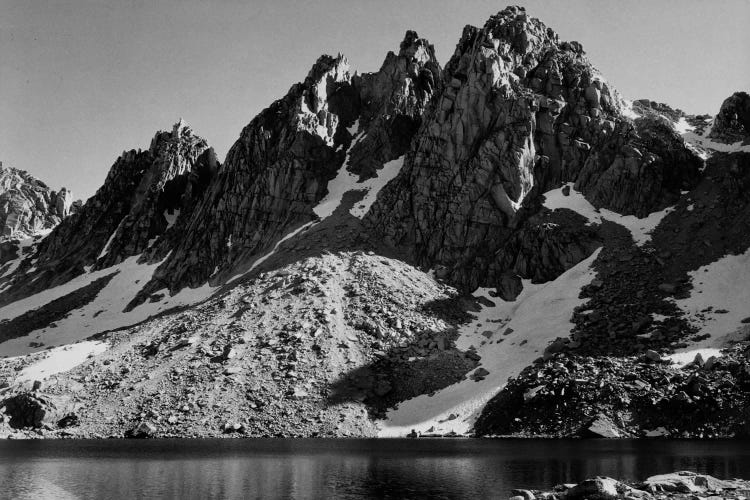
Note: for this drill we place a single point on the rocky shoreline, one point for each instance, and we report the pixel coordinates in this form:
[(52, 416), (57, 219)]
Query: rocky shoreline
[(678, 485)]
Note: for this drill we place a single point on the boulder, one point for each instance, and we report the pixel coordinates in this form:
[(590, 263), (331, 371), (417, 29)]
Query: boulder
[(144, 429), (480, 374), (599, 488), (69, 420), (27, 410), (602, 427), (524, 494), (652, 355), (685, 482)]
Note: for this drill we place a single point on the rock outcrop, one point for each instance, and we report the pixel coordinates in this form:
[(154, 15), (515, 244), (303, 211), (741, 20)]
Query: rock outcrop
[(566, 396), (142, 196), (682, 485), (520, 112), (280, 167), (732, 123), (27, 410), (28, 206)]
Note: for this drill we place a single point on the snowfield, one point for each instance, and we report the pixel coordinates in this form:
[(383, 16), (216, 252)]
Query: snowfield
[(724, 287), (641, 229), (373, 186), (346, 181), (508, 337), (688, 133), (104, 313), (60, 359)]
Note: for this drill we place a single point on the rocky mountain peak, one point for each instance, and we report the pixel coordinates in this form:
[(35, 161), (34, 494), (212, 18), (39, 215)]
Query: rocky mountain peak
[(28, 206), (327, 75), (514, 31), (415, 48), (519, 113), (180, 128), (142, 197)]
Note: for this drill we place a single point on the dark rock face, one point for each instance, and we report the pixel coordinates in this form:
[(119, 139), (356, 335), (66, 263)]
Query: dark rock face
[(520, 112), (142, 191), (28, 206), (26, 410), (732, 124), (279, 168), (272, 177), (545, 246), (392, 102), (643, 174)]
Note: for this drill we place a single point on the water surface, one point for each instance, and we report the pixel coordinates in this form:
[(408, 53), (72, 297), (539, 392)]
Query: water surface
[(341, 468)]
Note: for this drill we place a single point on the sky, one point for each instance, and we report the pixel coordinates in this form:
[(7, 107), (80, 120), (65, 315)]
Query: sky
[(81, 81)]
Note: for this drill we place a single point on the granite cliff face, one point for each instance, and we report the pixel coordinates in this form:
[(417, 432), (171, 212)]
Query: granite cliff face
[(521, 113), (28, 206), (278, 170)]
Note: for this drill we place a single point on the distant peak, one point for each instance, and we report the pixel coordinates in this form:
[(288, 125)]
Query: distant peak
[(337, 66), (409, 39), (412, 46), (180, 128), (521, 31)]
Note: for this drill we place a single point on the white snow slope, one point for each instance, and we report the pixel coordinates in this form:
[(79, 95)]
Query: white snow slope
[(105, 312), (702, 141), (539, 315), (60, 359), (723, 285), (640, 228), (346, 181)]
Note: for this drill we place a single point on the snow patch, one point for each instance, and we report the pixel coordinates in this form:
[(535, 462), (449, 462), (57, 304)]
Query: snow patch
[(171, 218), (640, 229), (61, 359), (109, 241), (722, 286), (684, 357), (103, 313), (508, 337), (627, 110), (354, 128), (343, 183), (373, 186), (265, 257), (702, 141)]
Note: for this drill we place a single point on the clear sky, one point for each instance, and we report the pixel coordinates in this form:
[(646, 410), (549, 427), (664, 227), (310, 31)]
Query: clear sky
[(83, 80)]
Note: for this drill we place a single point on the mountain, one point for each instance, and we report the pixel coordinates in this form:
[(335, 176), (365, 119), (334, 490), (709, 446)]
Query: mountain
[(501, 246), (28, 207)]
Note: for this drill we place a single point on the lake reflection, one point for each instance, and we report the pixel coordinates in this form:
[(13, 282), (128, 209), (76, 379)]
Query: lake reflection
[(308, 468)]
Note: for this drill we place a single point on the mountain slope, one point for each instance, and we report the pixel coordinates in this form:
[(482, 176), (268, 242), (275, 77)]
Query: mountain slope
[(381, 252)]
